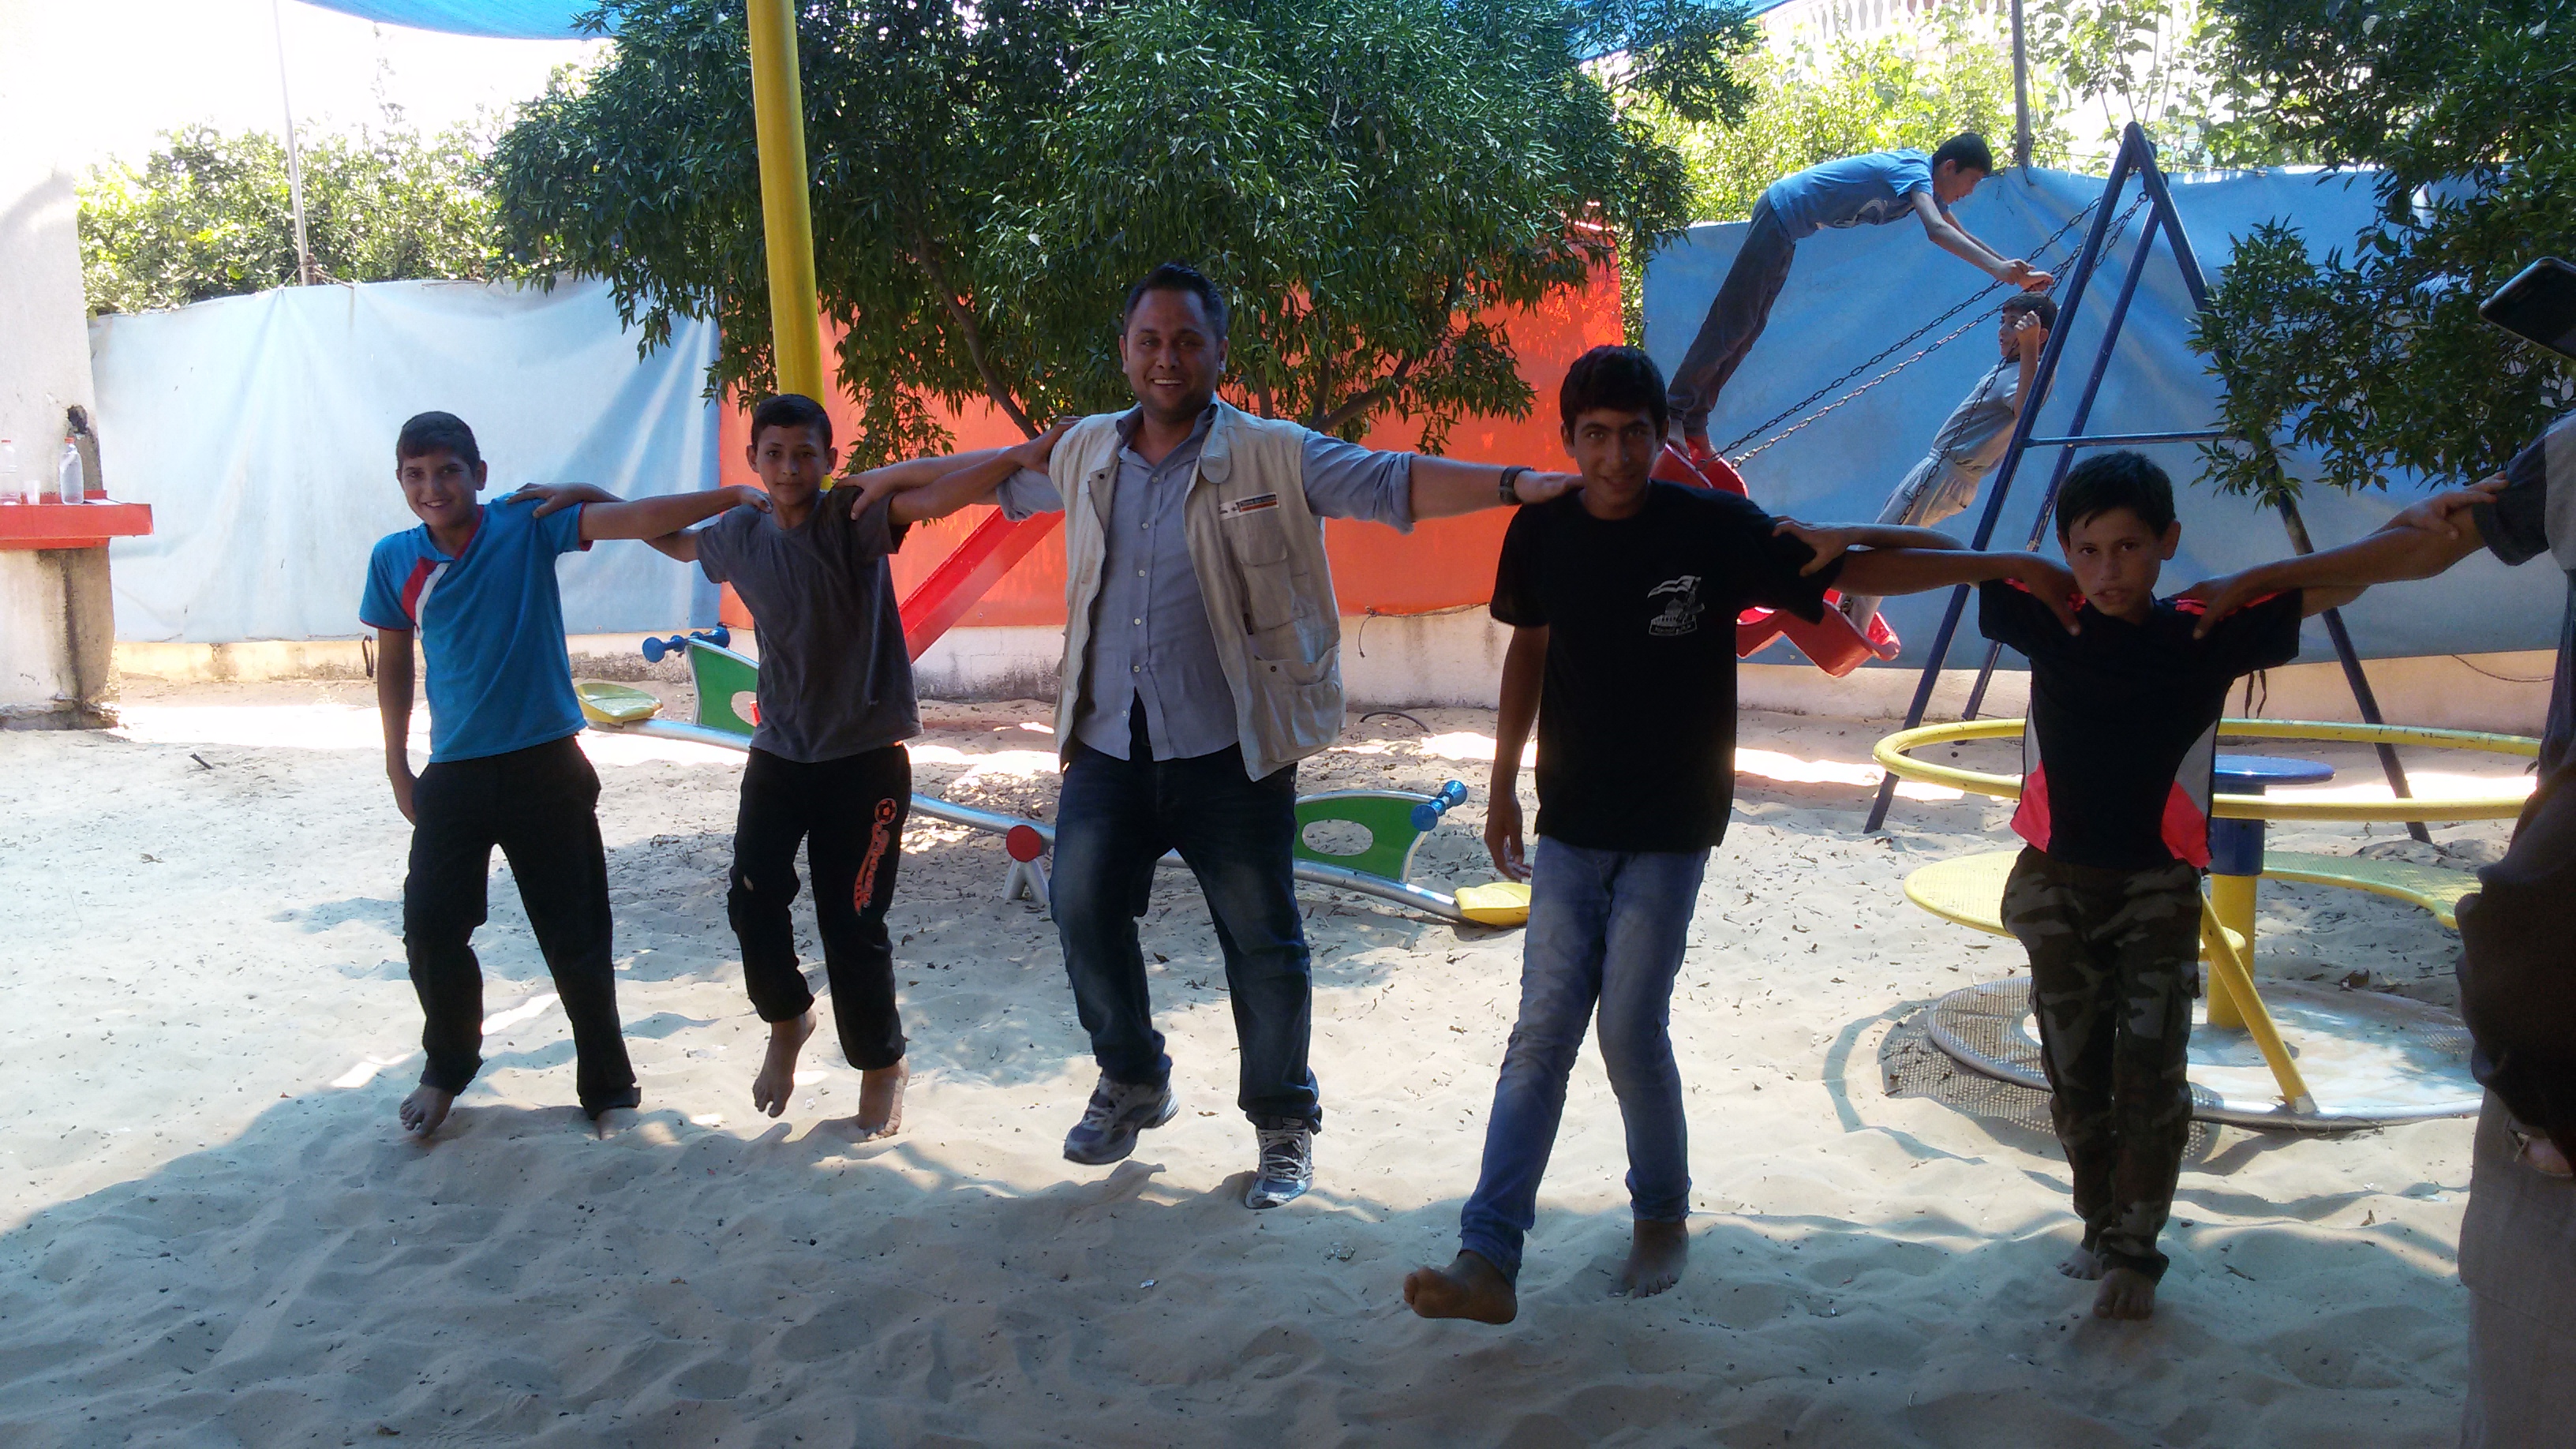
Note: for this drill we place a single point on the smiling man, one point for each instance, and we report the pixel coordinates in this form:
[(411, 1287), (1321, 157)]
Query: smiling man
[(1202, 661)]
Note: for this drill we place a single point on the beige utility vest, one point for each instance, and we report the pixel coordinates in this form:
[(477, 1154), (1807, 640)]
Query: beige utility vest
[(1258, 552)]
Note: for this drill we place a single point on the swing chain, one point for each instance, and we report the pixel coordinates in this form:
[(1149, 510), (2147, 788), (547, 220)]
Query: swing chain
[(2053, 239)]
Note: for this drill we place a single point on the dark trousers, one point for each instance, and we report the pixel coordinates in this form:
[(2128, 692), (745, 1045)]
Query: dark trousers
[(2114, 964), (1735, 319), (538, 805), (1114, 819), (849, 814)]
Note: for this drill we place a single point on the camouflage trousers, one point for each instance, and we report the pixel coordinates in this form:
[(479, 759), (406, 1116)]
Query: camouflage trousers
[(2114, 965)]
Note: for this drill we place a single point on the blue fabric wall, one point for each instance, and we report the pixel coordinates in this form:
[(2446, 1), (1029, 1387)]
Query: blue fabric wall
[(1852, 292)]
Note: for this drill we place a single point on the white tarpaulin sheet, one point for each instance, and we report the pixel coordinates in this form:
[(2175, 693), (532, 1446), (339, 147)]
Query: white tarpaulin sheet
[(261, 430), (1852, 292)]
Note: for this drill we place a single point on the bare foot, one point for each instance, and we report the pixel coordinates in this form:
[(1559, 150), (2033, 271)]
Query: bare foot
[(2125, 1293), (1469, 1287), (2083, 1263), (880, 1111), (609, 1121), (424, 1109), (1656, 1253), (777, 1080)]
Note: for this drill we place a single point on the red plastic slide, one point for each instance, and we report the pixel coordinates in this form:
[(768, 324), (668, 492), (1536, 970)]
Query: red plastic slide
[(1831, 643)]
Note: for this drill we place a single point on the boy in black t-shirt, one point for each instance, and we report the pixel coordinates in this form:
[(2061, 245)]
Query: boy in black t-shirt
[(1622, 600), (2116, 759)]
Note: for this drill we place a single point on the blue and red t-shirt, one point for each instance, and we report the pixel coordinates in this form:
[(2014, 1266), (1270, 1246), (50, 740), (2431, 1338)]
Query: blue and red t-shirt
[(2123, 727), (491, 628)]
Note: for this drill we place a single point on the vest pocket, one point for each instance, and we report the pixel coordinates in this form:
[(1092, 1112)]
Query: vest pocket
[(1259, 543)]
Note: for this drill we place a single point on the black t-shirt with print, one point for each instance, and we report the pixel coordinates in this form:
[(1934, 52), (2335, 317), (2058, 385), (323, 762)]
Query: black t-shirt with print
[(1636, 720), (2123, 725)]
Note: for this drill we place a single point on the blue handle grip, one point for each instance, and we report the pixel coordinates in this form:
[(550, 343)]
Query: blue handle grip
[(1428, 813), (656, 649)]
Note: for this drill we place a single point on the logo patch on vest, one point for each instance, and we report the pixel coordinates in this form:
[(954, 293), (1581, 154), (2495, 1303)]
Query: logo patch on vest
[(1241, 506)]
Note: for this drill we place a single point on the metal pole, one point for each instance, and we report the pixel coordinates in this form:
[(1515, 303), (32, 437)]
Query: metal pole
[(2022, 426), (2021, 91), (294, 155), (2074, 431), (786, 213)]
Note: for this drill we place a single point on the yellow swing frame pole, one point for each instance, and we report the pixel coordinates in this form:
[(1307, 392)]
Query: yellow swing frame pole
[(786, 213), (2233, 975)]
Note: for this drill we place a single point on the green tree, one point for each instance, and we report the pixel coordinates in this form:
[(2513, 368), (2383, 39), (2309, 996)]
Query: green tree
[(1916, 88), (2167, 65), (210, 214), (2374, 354), (1362, 176)]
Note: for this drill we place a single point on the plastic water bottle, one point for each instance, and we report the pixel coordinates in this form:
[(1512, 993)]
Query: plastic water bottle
[(68, 487), (9, 472)]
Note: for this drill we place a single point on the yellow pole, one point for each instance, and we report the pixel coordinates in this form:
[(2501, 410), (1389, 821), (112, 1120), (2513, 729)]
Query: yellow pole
[(2231, 900), (786, 214), (2237, 975)]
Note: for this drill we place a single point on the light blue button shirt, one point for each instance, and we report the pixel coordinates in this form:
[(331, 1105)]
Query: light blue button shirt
[(1151, 642)]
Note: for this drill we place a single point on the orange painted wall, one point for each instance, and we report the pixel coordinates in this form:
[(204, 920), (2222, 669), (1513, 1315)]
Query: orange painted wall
[(1442, 563)]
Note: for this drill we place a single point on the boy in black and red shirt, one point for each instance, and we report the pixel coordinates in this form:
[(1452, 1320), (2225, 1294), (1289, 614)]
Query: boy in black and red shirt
[(2116, 758)]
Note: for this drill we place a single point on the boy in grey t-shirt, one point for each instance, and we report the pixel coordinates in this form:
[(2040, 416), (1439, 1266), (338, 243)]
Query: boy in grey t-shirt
[(828, 769), (1972, 440)]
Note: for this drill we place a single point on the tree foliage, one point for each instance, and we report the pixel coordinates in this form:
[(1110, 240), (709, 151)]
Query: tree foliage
[(1364, 177), (210, 214), (1812, 103), (2166, 65), (2375, 354)]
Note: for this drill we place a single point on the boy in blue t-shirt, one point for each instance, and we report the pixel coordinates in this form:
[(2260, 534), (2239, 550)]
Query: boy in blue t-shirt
[(2117, 759), (1871, 190), (477, 583)]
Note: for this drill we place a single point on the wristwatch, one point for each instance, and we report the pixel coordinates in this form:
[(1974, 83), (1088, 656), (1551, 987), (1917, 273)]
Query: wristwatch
[(1511, 483)]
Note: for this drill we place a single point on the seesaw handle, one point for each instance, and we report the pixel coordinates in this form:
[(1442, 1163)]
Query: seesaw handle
[(1428, 813)]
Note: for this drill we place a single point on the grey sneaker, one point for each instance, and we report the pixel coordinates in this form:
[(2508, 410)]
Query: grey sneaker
[(1287, 1166), (1116, 1113)]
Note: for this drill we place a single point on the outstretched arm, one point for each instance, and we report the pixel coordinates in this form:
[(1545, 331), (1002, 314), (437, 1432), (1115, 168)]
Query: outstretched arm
[(1524, 670), (983, 472), (1893, 560), (2419, 543), (555, 497), (654, 517), (1444, 486), (1950, 237), (866, 488)]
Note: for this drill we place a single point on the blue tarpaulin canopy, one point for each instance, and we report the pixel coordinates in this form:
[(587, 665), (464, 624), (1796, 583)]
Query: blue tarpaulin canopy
[(501, 19)]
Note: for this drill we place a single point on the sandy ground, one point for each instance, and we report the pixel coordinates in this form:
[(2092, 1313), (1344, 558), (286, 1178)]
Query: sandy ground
[(211, 1232)]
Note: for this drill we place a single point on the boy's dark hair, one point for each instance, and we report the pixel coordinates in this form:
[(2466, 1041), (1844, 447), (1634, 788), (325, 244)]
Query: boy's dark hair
[(437, 433), (1619, 378), (2116, 480), (1968, 149), (790, 410), (2045, 306), (1177, 277)]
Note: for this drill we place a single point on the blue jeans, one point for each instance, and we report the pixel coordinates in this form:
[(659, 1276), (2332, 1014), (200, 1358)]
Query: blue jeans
[(1606, 930), (1114, 819)]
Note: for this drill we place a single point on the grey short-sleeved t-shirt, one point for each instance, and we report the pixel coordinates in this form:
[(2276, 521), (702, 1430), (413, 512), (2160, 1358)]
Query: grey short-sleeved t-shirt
[(835, 678)]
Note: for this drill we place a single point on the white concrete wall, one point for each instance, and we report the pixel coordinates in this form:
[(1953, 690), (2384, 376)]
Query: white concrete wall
[(44, 341)]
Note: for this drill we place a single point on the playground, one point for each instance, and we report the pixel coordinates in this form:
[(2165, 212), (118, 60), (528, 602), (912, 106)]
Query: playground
[(219, 1238)]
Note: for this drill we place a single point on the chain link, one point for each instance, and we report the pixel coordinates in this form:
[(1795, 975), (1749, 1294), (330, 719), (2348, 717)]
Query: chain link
[(2117, 230)]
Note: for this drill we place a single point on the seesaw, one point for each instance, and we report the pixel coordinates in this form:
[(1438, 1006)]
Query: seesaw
[(1393, 821), (1831, 643), (2348, 1058)]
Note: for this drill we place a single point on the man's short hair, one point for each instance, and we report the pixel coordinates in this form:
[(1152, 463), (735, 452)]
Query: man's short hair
[(1177, 277), (790, 410), (429, 433), (1968, 149), (1619, 378), (2116, 480), (2037, 302)]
